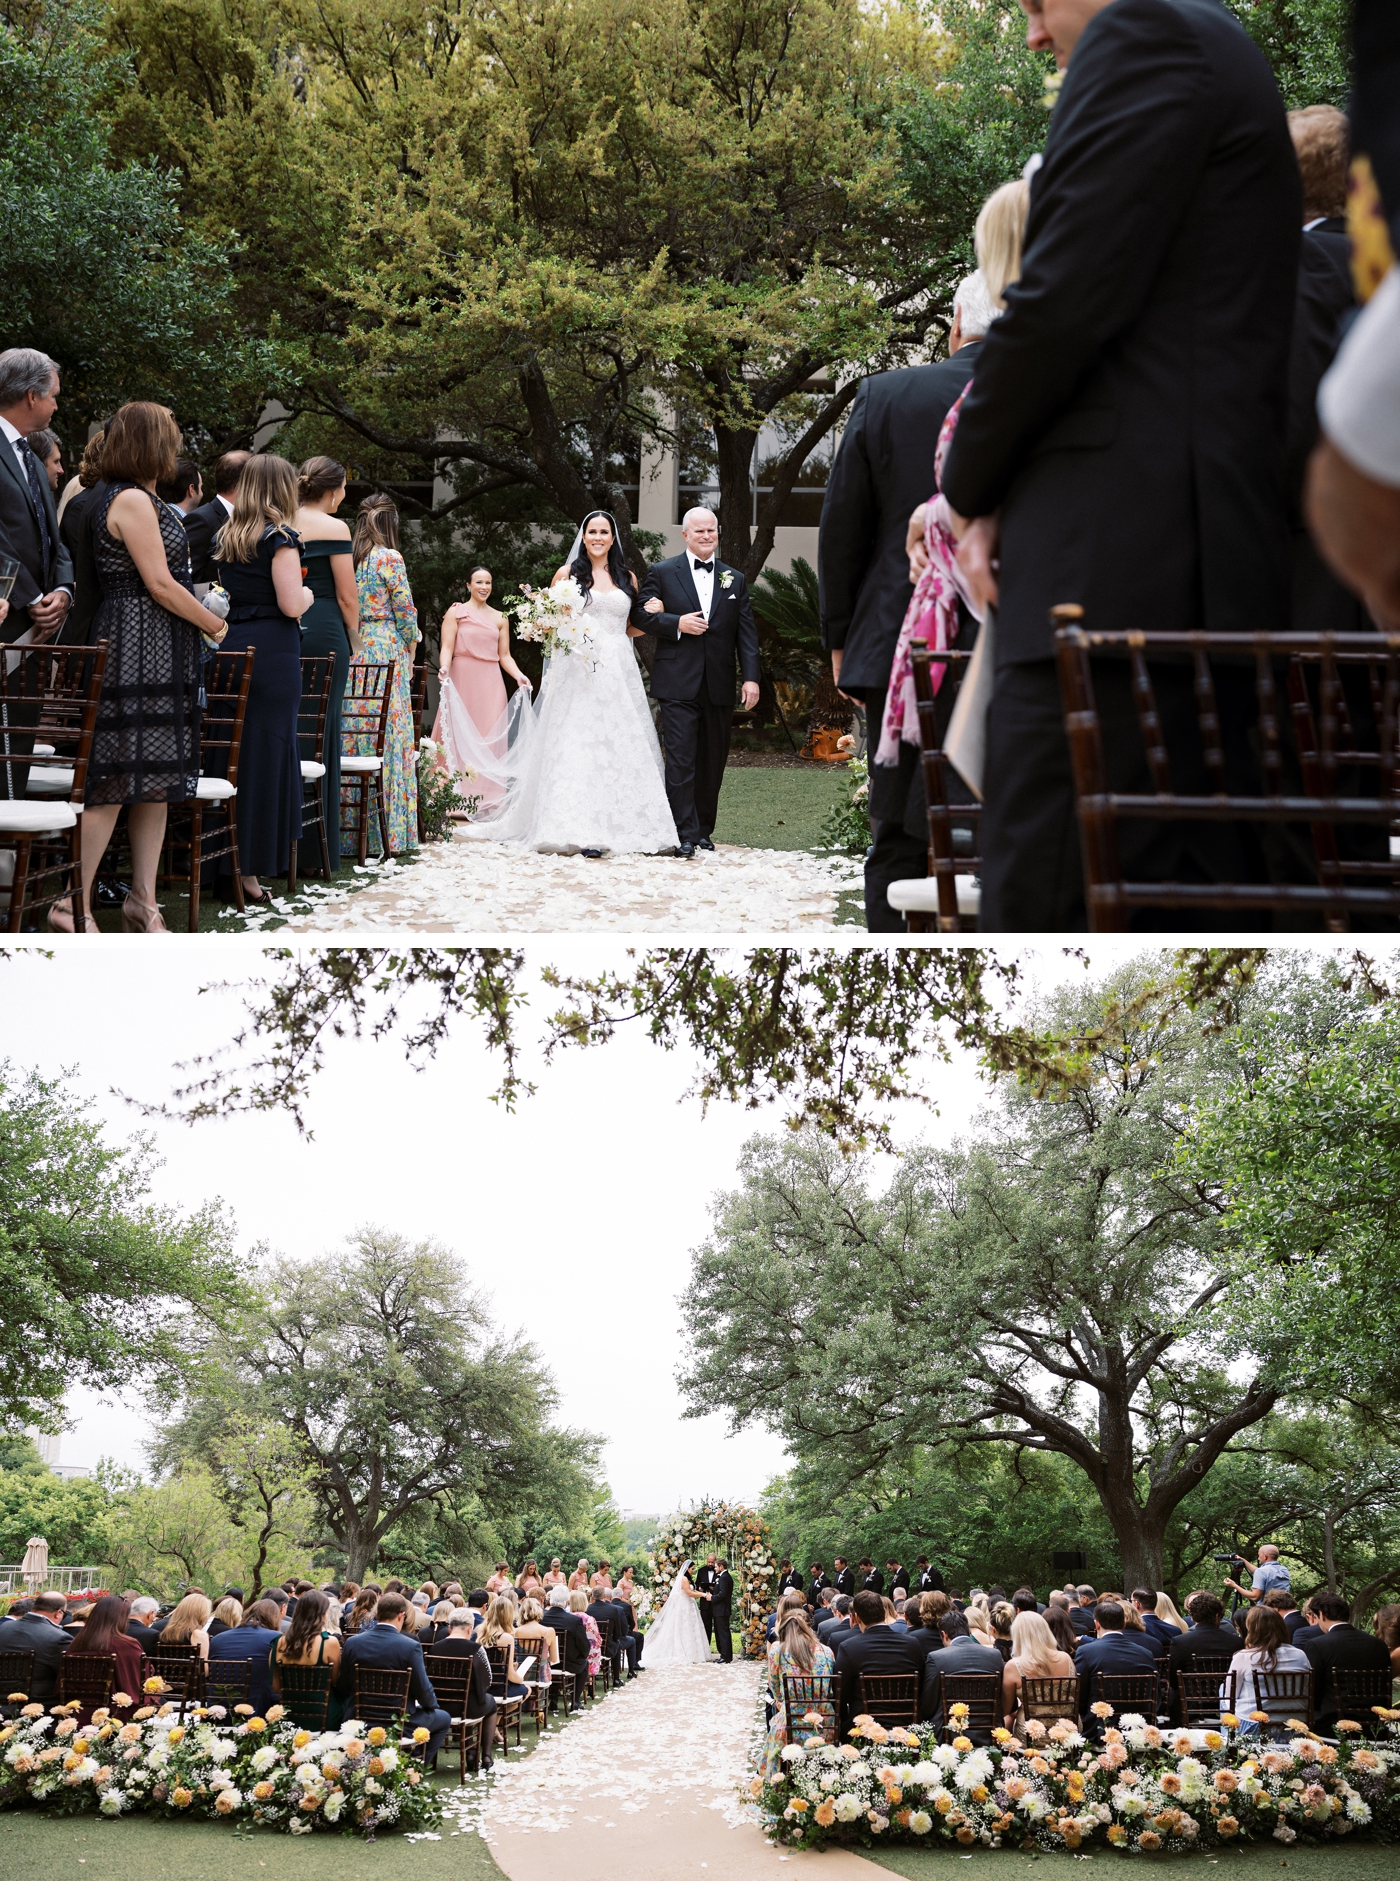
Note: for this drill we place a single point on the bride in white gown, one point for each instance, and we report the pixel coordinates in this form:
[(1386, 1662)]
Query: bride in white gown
[(581, 769), (678, 1637)]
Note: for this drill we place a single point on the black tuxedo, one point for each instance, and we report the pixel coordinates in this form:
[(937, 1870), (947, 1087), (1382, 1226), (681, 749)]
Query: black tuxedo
[(625, 1640), (201, 527), (609, 1623), (1345, 1646), (814, 1589), (1134, 447), (846, 1581), (29, 532), (879, 1649), (792, 1582), (1081, 1618), (703, 1581), (1207, 1642), (723, 1602), (884, 469), (900, 1578), (874, 1582), (930, 1581), (692, 680), (480, 1703)]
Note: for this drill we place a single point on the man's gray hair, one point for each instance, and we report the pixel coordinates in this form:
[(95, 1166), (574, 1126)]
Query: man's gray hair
[(144, 1605), (558, 1596), (699, 510), (23, 369), (458, 1618), (975, 304)]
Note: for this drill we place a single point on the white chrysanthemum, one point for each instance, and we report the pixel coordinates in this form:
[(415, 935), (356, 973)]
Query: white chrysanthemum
[(389, 1757), (793, 1753), (924, 1773), (1358, 1810), (1132, 1721), (847, 1808), (263, 1758), (920, 1822), (946, 1756), (113, 1802), (859, 1768)]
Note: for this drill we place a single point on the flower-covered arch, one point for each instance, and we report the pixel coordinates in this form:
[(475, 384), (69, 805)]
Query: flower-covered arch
[(740, 1537)]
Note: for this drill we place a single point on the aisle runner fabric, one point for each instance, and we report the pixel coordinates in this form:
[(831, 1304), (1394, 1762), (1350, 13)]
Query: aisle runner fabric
[(476, 887), (671, 1742)]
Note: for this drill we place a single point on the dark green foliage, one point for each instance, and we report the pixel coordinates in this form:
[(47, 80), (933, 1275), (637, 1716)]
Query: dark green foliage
[(1307, 42)]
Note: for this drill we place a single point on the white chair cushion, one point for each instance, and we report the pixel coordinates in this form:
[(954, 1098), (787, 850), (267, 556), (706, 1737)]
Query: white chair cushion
[(19, 818), (215, 790), (43, 751), (361, 764), (50, 780), (311, 771), (920, 895)]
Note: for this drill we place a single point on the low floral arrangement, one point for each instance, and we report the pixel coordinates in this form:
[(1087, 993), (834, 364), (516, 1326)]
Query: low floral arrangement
[(846, 825), (214, 1765), (739, 1536), (552, 618), (439, 794), (1141, 1790)]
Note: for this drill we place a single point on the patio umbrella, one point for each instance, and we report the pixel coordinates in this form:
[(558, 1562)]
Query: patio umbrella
[(36, 1563)]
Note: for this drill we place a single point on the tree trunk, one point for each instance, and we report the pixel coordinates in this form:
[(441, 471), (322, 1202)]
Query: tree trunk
[(734, 450), (1329, 1548), (361, 1545)]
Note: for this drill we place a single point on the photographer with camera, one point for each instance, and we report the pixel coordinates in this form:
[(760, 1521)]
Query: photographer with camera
[(1267, 1575)]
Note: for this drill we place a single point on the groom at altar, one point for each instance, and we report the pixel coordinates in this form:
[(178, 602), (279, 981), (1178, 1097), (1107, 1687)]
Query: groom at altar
[(699, 609), (722, 1606)]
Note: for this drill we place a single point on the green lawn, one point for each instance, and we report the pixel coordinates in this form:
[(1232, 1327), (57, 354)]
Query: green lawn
[(1337, 1861), (771, 807)]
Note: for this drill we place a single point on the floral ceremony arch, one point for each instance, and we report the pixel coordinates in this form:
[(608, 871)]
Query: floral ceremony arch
[(740, 1536)]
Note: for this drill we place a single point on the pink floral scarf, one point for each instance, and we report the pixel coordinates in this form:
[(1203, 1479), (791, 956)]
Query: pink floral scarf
[(932, 618)]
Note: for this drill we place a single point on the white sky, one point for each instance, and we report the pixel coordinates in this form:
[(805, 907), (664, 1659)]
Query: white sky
[(577, 1215)]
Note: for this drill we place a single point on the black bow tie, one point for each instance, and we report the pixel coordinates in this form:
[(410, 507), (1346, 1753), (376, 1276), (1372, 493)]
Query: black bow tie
[(708, 567)]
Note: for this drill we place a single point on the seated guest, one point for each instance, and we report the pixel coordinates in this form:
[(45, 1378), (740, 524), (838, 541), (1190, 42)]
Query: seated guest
[(227, 1615), (187, 1625), (922, 1615), (459, 1644), (310, 1640), (498, 1634), (40, 1631), (1002, 1615), (1160, 1632), (979, 1620), (1166, 1610), (1062, 1629), (1115, 1650), (1388, 1633), (1283, 1603), (796, 1652), (1342, 1647), (1266, 1649), (254, 1641), (140, 1614), (478, 1600), (282, 1600), (1310, 1628), (628, 1639), (871, 1647), (1082, 1616), (899, 1606), (104, 1632), (1022, 1601), (960, 1656), (574, 1641), (534, 1637), (1034, 1655), (578, 1603), (383, 1646), (605, 1617), (361, 1611), (836, 1622)]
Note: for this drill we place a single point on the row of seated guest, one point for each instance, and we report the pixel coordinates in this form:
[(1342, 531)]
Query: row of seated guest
[(933, 1638)]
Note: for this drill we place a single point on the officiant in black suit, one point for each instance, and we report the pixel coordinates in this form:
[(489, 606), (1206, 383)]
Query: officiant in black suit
[(705, 1584), (1121, 446), (722, 1599), (705, 620)]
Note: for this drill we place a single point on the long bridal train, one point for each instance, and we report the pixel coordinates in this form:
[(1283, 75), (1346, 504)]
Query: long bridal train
[(580, 768), (678, 1636)]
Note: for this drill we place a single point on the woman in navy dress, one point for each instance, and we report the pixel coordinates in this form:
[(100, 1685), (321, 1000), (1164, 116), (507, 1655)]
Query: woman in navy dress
[(257, 557), (331, 626)]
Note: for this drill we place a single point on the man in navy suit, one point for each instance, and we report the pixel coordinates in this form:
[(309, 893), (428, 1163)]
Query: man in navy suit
[(874, 1647), (959, 1656), (1111, 1650), (1158, 1630), (383, 1645), (1081, 1617), (704, 621), (835, 1623)]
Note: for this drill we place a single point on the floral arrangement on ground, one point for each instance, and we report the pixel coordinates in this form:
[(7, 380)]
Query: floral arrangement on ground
[(214, 1765), (1140, 1790), (738, 1535)]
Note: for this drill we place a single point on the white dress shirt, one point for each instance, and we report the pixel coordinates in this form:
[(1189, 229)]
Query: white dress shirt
[(704, 580)]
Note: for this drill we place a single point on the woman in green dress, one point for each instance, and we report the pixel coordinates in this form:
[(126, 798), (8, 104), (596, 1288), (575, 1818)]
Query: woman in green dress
[(331, 625)]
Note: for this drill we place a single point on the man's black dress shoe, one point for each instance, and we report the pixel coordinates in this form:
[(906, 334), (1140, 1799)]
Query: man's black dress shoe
[(685, 849), (703, 842), (592, 854)]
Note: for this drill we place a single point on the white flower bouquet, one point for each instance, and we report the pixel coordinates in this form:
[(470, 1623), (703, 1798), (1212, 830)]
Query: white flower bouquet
[(552, 618)]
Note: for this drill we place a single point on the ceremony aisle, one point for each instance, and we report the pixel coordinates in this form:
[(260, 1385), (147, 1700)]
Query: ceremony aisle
[(472, 886), (646, 1784)]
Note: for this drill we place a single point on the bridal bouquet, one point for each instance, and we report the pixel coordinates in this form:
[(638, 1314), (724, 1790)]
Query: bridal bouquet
[(553, 618)]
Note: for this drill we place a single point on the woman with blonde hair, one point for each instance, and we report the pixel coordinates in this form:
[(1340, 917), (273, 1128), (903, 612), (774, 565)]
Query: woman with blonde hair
[(537, 1638), (793, 1652), (145, 745), (330, 628), (1034, 1655), (388, 625), (998, 235), (228, 1613), (1165, 1609), (257, 557), (188, 1625)]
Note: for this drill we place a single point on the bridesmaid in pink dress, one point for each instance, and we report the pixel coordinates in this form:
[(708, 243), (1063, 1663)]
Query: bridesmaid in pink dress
[(475, 651)]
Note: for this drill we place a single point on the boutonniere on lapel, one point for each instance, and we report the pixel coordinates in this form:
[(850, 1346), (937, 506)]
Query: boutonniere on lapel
[(726, 580)]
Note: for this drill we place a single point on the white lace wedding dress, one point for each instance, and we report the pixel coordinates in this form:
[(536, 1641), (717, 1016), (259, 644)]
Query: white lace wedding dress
[(581, 768), (678, 1637)]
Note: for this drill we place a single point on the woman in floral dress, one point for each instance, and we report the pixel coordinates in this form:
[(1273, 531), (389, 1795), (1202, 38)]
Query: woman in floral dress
[(389, 631), (795, 1650), (578, 1601)]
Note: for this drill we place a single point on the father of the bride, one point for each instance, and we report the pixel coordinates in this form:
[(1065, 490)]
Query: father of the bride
[(705, 617)]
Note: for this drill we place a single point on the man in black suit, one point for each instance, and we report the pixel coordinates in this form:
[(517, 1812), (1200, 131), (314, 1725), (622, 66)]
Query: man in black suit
[(1205, 1638), (1285, 1606), (790, 1580), (609, 1624), (816, 1580), (837, 1617), (930, 1580), (1112, 1650), (1121, 446), (573, 1644), (722, 1612), (845, 1582), (872, 1581), (384, 1645), (204, 523), (899, 1576), (1342, 1646), (884, 469), (872, 1647), (460, 1644), (142, 1612), (41, 1632), (704, 621), (629, 1645), (43, 590), (704, 1584), (959, 1656)]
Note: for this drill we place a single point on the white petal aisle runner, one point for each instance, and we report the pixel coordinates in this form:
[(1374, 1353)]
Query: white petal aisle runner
[(471, 886), (645, 1784)]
